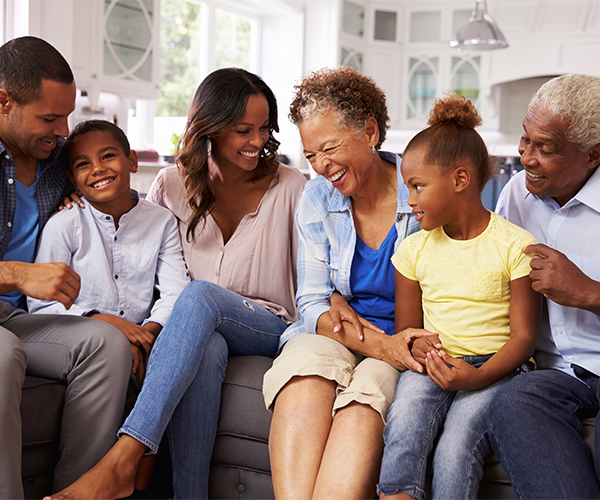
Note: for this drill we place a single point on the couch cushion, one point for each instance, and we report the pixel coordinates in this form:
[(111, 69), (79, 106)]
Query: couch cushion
[(240, 464)]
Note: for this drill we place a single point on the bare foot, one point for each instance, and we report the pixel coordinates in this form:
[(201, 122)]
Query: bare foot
[(112, 477)]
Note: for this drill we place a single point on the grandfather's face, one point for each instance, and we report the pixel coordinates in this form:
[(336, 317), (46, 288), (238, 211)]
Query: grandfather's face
[(553, 165), (31, 130)]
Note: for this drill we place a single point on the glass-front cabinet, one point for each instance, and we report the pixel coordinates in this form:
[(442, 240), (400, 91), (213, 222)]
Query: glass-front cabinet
[(431, 67), (128, 39)]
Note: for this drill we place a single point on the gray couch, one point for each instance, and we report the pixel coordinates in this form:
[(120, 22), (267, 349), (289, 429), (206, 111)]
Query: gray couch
[(240, 467)]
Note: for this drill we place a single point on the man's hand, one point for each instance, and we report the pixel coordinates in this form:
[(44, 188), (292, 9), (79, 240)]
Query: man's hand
[(50, 281), (136, 334), (423, 345), (68, 201), (397, 349), (558, 279)]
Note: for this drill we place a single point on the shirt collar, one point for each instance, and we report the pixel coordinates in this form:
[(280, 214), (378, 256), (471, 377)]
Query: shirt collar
[(108, 220), (589, 194)]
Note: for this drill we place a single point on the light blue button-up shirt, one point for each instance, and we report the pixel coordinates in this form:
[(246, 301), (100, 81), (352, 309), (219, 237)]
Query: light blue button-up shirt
[(119, 268), (567, 335), (326, 243)]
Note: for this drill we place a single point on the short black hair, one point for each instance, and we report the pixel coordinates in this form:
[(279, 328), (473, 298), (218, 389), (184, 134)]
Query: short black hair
[(25, 62), (95, 126)]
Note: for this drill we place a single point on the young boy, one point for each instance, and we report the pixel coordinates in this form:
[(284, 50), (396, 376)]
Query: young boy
[(122, 247)]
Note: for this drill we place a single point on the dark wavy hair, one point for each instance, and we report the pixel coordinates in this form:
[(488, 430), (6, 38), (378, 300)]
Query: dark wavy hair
[(219, 101), (25, 62)]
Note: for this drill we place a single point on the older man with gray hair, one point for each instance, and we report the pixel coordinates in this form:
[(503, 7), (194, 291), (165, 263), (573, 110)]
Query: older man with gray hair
[(535, 420)]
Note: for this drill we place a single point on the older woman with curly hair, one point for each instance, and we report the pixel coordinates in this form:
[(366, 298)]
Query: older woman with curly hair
[(330, 392)]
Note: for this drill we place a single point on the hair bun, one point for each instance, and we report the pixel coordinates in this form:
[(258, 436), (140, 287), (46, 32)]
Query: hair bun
[(454, 109)]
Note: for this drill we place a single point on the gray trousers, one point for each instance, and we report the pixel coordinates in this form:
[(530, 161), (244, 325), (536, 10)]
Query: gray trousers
[(92, 358)]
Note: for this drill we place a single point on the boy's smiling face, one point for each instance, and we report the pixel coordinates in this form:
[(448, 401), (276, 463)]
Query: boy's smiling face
[(100, 170)]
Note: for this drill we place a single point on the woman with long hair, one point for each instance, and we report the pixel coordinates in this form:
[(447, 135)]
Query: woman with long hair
[(235, 206)]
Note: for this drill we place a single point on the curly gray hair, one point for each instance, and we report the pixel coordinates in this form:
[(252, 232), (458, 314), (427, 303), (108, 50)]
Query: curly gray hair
[(575, 98)]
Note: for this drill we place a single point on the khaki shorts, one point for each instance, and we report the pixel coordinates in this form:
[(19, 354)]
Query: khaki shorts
[(364, 380)]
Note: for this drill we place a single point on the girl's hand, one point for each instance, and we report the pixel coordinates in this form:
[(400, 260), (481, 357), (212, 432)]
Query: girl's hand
[(423, 345), (397, 349), (452, 374), (341, 311), (72, 198)]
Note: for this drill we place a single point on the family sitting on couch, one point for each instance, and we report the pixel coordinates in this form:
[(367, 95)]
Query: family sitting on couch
[(425, 324)]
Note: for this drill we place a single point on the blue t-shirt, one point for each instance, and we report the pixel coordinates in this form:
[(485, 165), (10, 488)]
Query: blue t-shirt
[(372, 282), (21, 246)]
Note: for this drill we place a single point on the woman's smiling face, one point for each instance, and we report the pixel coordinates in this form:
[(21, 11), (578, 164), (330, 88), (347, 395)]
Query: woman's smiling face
[(240, 144), (340, 154)]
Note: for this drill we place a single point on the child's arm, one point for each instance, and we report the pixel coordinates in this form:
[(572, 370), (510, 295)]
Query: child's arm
[(171, 275), (408, 316), (525, 308), (136, 334)]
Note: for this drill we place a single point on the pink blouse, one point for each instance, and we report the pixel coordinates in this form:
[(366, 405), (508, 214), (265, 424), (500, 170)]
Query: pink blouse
[(259, 260)]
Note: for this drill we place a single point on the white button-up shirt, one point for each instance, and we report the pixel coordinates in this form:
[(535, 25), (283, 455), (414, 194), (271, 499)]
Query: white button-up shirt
[(119, 268), (567, 335)]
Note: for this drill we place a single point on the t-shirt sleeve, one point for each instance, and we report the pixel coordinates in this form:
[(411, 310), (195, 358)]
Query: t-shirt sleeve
[(521, 262), (403, 259)]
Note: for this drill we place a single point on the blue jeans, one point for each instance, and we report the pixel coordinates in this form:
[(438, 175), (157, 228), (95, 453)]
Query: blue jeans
[(419, 411), (535, 429), (186, 368)]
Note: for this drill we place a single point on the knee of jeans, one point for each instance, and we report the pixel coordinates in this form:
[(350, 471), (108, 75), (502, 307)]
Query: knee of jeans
[(216, 351), (197, 290)]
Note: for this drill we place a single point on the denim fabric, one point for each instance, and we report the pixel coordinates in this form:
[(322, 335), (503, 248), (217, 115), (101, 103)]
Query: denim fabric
[(420, 411), (185, 372), (535, 427)]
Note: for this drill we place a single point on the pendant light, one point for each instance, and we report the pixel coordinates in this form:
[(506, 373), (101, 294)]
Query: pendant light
[(480, 33)]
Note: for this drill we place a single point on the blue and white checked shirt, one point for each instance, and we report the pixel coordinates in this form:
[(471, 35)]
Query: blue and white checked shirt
[(326, 242), (52, 186), (567, 335)]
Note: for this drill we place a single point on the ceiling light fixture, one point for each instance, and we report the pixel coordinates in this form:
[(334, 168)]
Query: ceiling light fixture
[(480, 33)]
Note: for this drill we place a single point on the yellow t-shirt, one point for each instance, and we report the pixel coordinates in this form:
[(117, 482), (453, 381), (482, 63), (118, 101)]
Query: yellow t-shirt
[(465, 284)]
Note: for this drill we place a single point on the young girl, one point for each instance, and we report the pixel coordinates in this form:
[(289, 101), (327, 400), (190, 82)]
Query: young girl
[(465, 278)]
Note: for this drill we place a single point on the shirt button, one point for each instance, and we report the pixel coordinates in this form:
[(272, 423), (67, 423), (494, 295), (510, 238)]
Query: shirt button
[(558, 331), (559, 213), (115, 238), (7, 157), (121, 313), (116, 276), (9, 224), (570, 358), (107, 217), (11, 181)]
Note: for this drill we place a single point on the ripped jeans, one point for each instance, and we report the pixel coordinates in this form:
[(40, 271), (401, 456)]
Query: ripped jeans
[(182, 387)]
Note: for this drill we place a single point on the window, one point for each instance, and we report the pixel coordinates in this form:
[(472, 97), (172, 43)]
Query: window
[(197, 37)]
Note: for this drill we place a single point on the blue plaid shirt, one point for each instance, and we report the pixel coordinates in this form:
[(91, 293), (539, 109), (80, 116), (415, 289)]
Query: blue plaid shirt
[(326, 242), (52, 186)]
